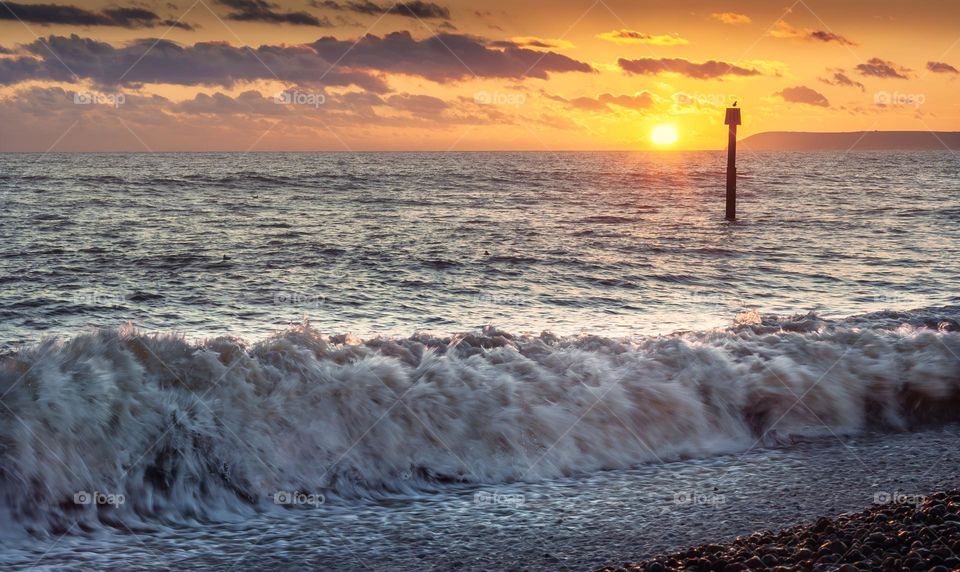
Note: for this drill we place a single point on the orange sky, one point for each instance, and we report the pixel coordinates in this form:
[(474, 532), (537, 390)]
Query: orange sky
[(501, 75)]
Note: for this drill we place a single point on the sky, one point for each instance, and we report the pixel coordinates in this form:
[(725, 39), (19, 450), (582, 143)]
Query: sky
[(452, 75)]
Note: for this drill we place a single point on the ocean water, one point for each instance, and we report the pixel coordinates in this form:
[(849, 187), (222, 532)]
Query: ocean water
[(354, 358), (606, 243)]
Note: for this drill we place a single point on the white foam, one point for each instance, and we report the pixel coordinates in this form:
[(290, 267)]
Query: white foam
[(206, 431)]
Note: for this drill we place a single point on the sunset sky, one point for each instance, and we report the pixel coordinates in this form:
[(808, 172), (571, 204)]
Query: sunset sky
[(352, 75)]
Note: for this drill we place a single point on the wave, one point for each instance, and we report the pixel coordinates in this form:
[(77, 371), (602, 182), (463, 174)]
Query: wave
[(195, 431)]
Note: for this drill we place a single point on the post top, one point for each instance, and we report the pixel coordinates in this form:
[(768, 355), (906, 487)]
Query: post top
[(733, 116)]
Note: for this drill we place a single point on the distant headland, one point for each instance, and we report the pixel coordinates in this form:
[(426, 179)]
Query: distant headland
[(853, 141)]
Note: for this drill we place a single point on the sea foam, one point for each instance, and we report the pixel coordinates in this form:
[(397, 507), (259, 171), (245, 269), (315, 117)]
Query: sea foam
[(201, 431)]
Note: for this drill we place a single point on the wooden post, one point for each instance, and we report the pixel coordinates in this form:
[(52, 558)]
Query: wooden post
[(732, 119)]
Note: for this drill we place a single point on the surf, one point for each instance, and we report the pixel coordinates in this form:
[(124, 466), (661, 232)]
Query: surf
[(189, 431)]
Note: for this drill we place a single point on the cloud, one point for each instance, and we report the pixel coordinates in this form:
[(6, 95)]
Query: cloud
[(877, 67), (163, 61), (784, 30), (328, 61), (840, 78), (444, 57), (940, 67), (247, 103), (830, 37), (603, 102), (418, 105), (353, 103), (55, 100), (732, 18), (16, 70), (419, 9), (705, 70), (625, 36), (34, 118), (263, 11), (52, 14), (362, 7), (532, 42), (803, 94), (411, 9)]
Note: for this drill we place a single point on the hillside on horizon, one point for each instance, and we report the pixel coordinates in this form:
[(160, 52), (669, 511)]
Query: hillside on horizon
[(852, 141)]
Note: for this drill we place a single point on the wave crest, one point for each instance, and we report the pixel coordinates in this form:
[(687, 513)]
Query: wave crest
[(199, 431)]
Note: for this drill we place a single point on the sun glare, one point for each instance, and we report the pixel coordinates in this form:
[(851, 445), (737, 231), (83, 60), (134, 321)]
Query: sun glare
[(664, 135)]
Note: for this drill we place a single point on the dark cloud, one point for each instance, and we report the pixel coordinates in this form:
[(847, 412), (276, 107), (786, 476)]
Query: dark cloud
[(328, 61), (444, 57), (50, 14), (411, 9), (419, 9), (532, 42), (823, 36), (163, 61), (877, 67), (16, 70), (803, 94), (263, 11), (940, 67), (840, 78), (360, 7), (706, 70)]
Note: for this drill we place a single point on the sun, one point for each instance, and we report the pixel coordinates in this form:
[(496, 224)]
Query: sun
[(664, 135)]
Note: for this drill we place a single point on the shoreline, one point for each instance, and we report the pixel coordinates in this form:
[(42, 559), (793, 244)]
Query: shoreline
[(575, 523), (908, 532)]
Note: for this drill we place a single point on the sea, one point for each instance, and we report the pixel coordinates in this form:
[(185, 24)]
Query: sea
[(465, 361)]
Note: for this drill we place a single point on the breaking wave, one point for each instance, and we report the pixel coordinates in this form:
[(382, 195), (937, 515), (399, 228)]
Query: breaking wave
[(189, 431)]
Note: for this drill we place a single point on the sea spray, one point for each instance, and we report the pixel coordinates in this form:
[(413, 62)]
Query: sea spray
[(206, 431)]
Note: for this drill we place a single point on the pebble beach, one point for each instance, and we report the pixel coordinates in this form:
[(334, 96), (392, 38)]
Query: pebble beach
[(912, 533)]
